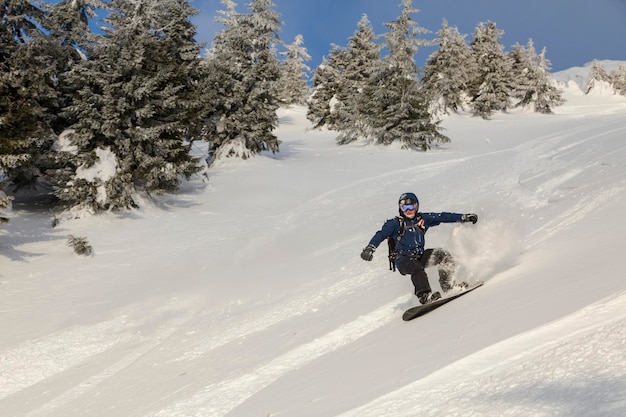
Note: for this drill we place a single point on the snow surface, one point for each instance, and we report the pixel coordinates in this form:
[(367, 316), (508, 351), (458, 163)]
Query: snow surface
[(244, 293)]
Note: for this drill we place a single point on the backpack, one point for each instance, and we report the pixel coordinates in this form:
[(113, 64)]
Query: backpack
[(391, 244)]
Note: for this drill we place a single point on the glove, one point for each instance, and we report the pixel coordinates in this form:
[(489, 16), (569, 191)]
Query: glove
[(470, 217), (368, 253)]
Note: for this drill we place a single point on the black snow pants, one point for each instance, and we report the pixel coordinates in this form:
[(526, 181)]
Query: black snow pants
[(415, 265)]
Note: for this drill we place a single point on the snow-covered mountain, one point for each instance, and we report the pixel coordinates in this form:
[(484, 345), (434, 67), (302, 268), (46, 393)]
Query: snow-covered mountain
[(244, 293), (576, 79)]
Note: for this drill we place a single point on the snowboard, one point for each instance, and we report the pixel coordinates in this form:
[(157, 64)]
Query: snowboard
[(420, 310)]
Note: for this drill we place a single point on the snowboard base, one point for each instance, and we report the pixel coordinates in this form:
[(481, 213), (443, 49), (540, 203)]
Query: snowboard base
[(420, 310)]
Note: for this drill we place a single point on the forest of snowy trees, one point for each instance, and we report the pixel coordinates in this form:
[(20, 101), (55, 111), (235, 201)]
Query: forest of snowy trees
[(98, 116)]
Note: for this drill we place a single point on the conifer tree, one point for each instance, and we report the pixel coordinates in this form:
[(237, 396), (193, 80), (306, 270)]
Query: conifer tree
[(524, 61), (362, 60), (294, 73), (596, 74), (533, 86), (25, 134), (448, 71), (339, 82), (397, 109), (547, 93), (618, 79), (327, 79), (492, 85), (69, 41), (245, 73), (136, 102)]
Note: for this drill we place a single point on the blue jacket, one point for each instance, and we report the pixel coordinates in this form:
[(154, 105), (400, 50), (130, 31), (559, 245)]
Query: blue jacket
[(412, 242)]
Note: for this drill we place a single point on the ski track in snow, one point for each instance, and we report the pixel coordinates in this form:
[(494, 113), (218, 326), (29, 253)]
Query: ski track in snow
[(221, 398), (91, 383), (524, 375), (38, 360), (227, 331), (574, 215), (557, 175)]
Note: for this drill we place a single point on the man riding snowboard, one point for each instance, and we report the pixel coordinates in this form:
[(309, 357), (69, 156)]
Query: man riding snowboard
[(411, 258)]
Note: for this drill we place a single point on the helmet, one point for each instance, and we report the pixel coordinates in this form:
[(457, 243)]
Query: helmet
[(408, 198)]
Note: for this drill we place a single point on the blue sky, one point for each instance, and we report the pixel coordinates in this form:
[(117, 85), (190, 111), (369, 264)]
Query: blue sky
[(573, 31)]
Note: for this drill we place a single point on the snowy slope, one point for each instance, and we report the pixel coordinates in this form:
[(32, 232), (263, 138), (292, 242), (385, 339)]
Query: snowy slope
[(244, 294)]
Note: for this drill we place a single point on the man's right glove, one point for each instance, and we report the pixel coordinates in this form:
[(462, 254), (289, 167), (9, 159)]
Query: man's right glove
[(471, 217), (368, 253)]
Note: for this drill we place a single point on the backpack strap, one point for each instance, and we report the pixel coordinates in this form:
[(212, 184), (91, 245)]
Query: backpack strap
[(392, 242)]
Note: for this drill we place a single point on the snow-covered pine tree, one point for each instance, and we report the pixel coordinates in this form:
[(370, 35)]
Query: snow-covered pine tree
[(493, 84), (397, 109), (25, 86), (136, 102), (68, 41), (327, 79), (524, 60), (338, 84), (245, 72), (362, 60), (295, 73), (547, 93), (448, 71), (596, 74), (618, 79), (533, 86)]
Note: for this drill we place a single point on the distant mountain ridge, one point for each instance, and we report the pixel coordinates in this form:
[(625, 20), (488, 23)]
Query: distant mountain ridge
[(580, 75)]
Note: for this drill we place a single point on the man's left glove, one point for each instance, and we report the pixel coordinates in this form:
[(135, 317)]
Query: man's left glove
[(368, 253), (470, 217)]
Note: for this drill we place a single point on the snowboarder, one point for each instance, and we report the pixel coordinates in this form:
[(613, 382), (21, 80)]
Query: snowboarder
[(410, 258)]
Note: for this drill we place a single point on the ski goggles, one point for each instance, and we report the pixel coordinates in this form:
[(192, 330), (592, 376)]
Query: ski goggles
[(407, 207)]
